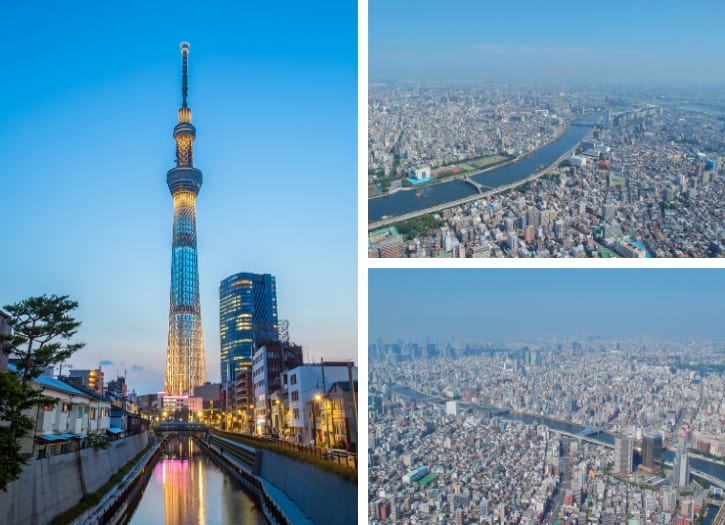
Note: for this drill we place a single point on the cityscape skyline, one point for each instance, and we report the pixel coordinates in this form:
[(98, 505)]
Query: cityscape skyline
[(67, 197), (524, 304), (624, 43)]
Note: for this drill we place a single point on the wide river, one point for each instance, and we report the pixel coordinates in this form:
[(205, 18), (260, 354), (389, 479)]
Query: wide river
[(187, 488), (407, 201)]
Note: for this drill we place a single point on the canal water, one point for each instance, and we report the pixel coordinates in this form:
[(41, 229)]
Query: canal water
[(187, 488), (407, 201)]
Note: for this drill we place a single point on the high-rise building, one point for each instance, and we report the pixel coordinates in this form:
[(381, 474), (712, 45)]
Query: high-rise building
[(681, 469), (681, 464), (651, 453), (247, 318), (623, 452), (185, 365)]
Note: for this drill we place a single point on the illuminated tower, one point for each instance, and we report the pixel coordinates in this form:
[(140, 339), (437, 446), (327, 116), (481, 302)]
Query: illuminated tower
[(185, 366)]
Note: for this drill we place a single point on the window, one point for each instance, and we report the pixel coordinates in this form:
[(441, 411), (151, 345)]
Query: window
[(93, 413), (296, 413), (293, 379), (295, 395)]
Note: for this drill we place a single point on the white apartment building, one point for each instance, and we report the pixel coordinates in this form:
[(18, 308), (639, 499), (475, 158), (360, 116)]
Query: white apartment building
[(306, 390)]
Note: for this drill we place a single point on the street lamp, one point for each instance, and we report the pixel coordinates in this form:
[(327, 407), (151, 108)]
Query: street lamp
[(315, 408)]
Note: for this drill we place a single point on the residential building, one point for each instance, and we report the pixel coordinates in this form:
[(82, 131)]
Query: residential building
[(67, 420), (92, 379), (269, 362), (341, 415), (306, 387)]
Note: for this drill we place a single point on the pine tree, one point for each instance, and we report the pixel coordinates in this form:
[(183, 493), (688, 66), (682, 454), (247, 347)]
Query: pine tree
[(41, 329)]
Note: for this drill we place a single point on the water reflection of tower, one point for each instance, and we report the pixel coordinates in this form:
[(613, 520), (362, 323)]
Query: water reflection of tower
[(184, 483)]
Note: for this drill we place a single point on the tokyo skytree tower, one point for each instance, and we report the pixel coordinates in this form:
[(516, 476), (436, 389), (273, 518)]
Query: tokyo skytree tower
[(185, 365)]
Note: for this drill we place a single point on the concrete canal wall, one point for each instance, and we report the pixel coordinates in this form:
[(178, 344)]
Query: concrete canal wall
[(323, 496), (52, 485)]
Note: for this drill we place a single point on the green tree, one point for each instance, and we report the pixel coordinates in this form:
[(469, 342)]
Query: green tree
[(41, 329), (14, 398)]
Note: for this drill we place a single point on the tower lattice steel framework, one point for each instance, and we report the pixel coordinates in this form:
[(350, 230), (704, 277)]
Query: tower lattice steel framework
[(185, 365)]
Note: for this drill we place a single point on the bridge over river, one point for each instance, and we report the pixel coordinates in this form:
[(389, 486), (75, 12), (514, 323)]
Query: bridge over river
[(404, 205), (181, 427)]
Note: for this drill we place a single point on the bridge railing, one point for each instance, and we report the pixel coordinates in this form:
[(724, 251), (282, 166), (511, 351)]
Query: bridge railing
[(176, 426)]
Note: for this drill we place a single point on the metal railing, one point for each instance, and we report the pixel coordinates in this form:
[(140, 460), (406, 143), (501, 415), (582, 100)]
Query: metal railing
[(340, 457)]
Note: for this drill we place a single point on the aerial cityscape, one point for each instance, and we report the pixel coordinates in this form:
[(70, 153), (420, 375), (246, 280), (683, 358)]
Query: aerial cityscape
[(515, 428), (523, 142), (205, 386), (642, 181)]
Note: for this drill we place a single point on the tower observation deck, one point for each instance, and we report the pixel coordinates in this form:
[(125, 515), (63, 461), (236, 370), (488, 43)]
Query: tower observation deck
[(185, 364)]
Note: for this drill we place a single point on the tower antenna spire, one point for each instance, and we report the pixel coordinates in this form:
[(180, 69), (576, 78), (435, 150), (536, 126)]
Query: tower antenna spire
[(185, 365), (184, 83)]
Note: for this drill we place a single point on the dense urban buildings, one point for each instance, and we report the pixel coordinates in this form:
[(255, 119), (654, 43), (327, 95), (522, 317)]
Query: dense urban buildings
[(645, 181), (247, 318), (590, 430), (185, 364)]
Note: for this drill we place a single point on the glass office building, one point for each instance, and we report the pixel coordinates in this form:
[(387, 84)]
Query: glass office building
[(185, 365), (247, 318)]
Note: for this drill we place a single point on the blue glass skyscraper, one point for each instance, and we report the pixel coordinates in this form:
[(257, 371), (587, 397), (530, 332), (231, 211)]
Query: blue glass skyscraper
[(185, 366), (247, 318)]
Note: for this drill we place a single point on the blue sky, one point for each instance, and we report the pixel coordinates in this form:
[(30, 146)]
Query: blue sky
[(503, 304), (623, 42), (89, 98)]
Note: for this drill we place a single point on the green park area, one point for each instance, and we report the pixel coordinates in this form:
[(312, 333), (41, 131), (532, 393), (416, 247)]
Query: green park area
[(416, 227), (471, 166), (423, 482)]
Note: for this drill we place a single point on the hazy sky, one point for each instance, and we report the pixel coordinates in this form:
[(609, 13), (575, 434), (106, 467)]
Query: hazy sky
[(89, 100), (494, 304), (619, 41)]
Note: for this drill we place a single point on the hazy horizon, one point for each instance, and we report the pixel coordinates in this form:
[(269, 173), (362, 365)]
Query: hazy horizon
[(527, 304), (633, 42)]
